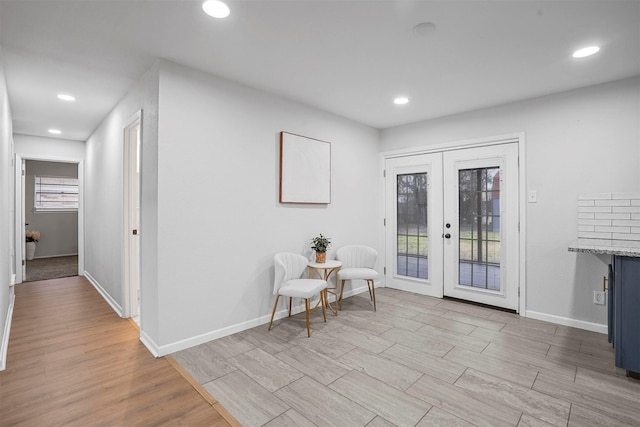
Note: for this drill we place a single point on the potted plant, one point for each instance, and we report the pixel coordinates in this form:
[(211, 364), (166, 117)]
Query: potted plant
[(31, 237), (320, 245)]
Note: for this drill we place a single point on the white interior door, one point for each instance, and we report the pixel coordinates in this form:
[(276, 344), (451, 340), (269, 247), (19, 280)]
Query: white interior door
[(132, 217), (23, 224), (481, 249), (413, 224)]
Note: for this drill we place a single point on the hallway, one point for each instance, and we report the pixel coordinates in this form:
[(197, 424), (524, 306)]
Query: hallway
[(73, 361)]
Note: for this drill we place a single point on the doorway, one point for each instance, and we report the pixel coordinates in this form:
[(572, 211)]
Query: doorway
[(50, 224), (51, 219), (452, 224), (132, 147)]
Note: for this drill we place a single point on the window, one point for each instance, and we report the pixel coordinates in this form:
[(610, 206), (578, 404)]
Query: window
[(54, 193)]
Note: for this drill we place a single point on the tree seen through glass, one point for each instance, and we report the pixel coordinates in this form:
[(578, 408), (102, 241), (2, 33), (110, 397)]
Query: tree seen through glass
[(411, 220), (479, 227)]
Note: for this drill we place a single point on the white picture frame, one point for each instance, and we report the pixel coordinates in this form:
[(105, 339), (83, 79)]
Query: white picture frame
[(305, 169)]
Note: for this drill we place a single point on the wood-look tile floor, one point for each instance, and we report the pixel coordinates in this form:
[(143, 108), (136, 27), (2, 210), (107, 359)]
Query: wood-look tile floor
[(417, 361), (73, 362)]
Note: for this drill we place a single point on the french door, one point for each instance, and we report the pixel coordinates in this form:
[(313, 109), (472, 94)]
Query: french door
[(413, 224), (481, 250), (452, 224)]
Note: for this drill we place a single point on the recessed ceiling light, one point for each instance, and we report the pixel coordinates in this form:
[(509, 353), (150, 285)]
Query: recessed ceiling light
[(216, 8), (401, 100), (587, 51), (55, 131), (65, 97)]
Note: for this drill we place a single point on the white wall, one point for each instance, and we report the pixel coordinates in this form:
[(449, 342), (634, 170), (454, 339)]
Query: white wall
[(582, 141), (58, 230), (104, 198), (41, 148), (219, 220), (6, 215)]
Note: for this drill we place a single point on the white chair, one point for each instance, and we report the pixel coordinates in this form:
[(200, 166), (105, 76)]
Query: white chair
[(288, 270), (357, 264)]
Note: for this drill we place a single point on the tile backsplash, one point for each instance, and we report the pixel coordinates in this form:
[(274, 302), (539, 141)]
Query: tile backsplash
[(610, 219)]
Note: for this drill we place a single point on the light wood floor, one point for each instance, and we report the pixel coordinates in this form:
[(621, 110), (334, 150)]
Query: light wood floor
[(73, 361), (417, 361)]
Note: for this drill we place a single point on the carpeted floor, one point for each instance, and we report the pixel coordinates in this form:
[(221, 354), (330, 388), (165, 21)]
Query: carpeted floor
[(52, 268)]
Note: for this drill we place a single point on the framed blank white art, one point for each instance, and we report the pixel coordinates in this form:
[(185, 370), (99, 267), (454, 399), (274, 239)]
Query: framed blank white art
[(305, 169)]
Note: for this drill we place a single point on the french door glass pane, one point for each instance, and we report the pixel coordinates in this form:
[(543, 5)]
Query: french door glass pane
[(412, 238), (479, 225)]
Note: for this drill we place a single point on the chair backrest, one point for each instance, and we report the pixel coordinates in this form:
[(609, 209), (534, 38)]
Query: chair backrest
[(287, 266), (357, 256)]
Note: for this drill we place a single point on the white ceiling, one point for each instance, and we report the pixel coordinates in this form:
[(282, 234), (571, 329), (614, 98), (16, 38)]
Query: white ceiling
[(347, 57)]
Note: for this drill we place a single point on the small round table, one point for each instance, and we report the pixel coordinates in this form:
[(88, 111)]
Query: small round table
[(324, 270)]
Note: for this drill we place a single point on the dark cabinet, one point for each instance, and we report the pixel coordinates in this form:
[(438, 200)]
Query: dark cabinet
[(611, 295), (624, 313)]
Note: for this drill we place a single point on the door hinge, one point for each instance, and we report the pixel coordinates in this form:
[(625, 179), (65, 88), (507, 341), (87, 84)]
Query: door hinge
[(23, 262), (22, 172), (384, 222), (384, 173), (518, 291), (384, 270)]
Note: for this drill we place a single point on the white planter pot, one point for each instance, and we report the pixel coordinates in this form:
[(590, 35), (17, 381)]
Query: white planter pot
[(30, 250)]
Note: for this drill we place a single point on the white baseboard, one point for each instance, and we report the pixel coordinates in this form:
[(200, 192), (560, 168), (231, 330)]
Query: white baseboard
[(356, 291), (144, 338), (54, 256), (209, 336), (113, 303), (4, 345), (580, 324), (229, 330), (150, 344)]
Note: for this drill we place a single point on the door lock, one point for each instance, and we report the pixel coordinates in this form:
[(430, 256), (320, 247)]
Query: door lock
[(447, 236)]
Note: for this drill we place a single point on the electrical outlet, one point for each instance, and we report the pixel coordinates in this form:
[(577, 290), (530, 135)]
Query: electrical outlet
[(599, 297)]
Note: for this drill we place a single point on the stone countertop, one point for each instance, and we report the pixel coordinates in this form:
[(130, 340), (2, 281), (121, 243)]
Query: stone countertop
[(604, 249)]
